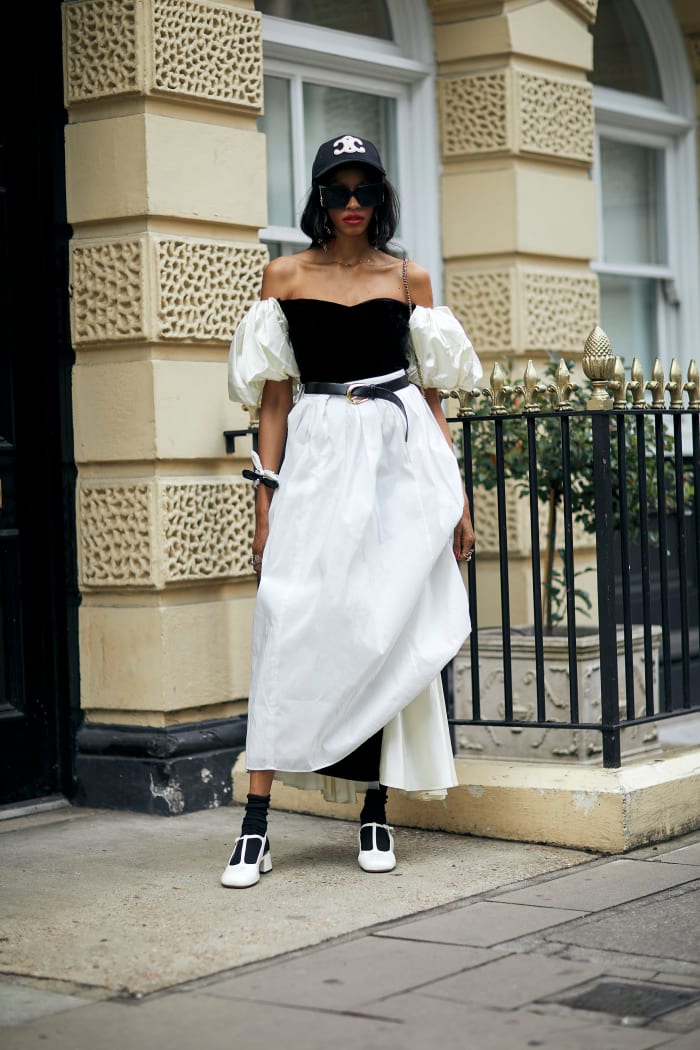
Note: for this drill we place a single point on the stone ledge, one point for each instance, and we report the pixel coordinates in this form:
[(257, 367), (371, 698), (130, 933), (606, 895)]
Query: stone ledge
[(605, 810), (163, 771)]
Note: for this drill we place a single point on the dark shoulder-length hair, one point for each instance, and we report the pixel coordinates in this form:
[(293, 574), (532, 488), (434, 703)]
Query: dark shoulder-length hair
[(314, 220)]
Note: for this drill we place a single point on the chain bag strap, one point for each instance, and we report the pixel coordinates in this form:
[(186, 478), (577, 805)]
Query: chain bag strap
[(414, 355)]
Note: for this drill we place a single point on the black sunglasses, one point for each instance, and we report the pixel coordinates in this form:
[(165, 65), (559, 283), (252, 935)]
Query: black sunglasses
[(367, 196)]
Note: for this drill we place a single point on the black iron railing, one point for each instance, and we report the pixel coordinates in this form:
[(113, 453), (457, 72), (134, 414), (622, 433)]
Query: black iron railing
[(626, 472)]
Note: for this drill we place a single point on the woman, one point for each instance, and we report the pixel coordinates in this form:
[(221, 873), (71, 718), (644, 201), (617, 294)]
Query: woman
[(360, 601)]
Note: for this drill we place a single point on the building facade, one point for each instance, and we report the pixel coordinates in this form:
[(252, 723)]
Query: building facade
[(546, 155)]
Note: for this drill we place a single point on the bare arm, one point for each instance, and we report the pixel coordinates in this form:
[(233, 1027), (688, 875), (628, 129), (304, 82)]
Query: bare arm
[(422, 295), (272, 432)]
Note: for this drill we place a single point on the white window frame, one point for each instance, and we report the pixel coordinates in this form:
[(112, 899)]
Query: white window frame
[(403, 69), (669, 125)]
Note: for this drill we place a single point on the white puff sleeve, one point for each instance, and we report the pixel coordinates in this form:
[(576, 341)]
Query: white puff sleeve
[(446, 356), (260, 350)]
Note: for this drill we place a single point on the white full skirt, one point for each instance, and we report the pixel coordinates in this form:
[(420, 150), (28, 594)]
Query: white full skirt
[(361, 602)]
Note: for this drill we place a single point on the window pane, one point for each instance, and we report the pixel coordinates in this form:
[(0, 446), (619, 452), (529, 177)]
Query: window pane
[(277, 248), (368, 17), (632, 185), (622, 53), (332, 111), (277, 126), (628, 314)]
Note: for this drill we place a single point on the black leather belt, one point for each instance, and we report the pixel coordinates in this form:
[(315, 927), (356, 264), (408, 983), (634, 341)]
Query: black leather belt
[(356, 393)]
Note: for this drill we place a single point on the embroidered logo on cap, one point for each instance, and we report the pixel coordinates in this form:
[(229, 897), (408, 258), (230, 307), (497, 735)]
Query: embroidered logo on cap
[(348, 144)]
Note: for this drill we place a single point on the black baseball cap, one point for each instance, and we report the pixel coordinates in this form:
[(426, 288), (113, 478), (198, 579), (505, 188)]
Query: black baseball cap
[(344, 150)]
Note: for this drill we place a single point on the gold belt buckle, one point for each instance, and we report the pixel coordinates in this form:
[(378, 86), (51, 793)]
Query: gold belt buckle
[(351, 397)]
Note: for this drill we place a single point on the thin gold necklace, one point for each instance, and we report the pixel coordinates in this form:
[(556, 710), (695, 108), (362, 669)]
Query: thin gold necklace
[(351, 265)]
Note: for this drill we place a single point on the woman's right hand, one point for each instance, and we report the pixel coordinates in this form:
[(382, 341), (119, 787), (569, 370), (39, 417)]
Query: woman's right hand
[(259, 541)]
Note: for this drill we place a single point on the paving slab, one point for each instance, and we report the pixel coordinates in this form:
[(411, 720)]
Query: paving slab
[(685, 1042), (685, 1019), (352, 974), (129, 902), (603, 886), (675, 978), (684, 855), (665, 928), (463, 1025), (20, 1003), (483, 924), (513, 981), (181, 1022)]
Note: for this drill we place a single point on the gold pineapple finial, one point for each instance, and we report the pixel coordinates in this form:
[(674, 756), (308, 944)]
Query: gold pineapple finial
[(598, 364)]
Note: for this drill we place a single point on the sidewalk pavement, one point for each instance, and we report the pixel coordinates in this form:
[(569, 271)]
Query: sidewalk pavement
[(117, 934)]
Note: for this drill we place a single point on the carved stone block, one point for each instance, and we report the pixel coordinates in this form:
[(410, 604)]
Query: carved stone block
[(161, 288), (150, 534), (483, 302), (474, 114), (103, 50), (190, 48), (555, 117), (559, 309)]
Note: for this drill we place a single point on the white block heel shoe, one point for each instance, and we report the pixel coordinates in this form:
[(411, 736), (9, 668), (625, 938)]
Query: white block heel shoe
[(376, 848), (251, 855)]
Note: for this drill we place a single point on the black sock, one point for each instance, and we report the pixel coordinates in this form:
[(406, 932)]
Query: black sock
[(255, 818), (374, 809)]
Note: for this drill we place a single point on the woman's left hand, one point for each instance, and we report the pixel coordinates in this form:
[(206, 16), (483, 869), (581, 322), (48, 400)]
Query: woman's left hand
[(464, 538)]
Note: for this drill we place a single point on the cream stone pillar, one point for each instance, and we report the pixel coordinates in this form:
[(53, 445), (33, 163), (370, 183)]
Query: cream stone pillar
[(166, 193), (518, 208)]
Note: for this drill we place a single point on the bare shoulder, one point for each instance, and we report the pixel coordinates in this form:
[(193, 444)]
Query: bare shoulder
[(420, 284), (279, 276)]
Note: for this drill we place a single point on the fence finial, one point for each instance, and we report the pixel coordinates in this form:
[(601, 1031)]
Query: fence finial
[(529, 388), (693, 385), (675, 384), (598, 364), (637, 385), (619, 385), (465, 398), (562, 388), (497, 389), (657, 385)]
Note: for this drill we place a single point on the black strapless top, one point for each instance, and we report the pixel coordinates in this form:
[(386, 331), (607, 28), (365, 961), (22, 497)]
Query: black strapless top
[(333, 343)]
